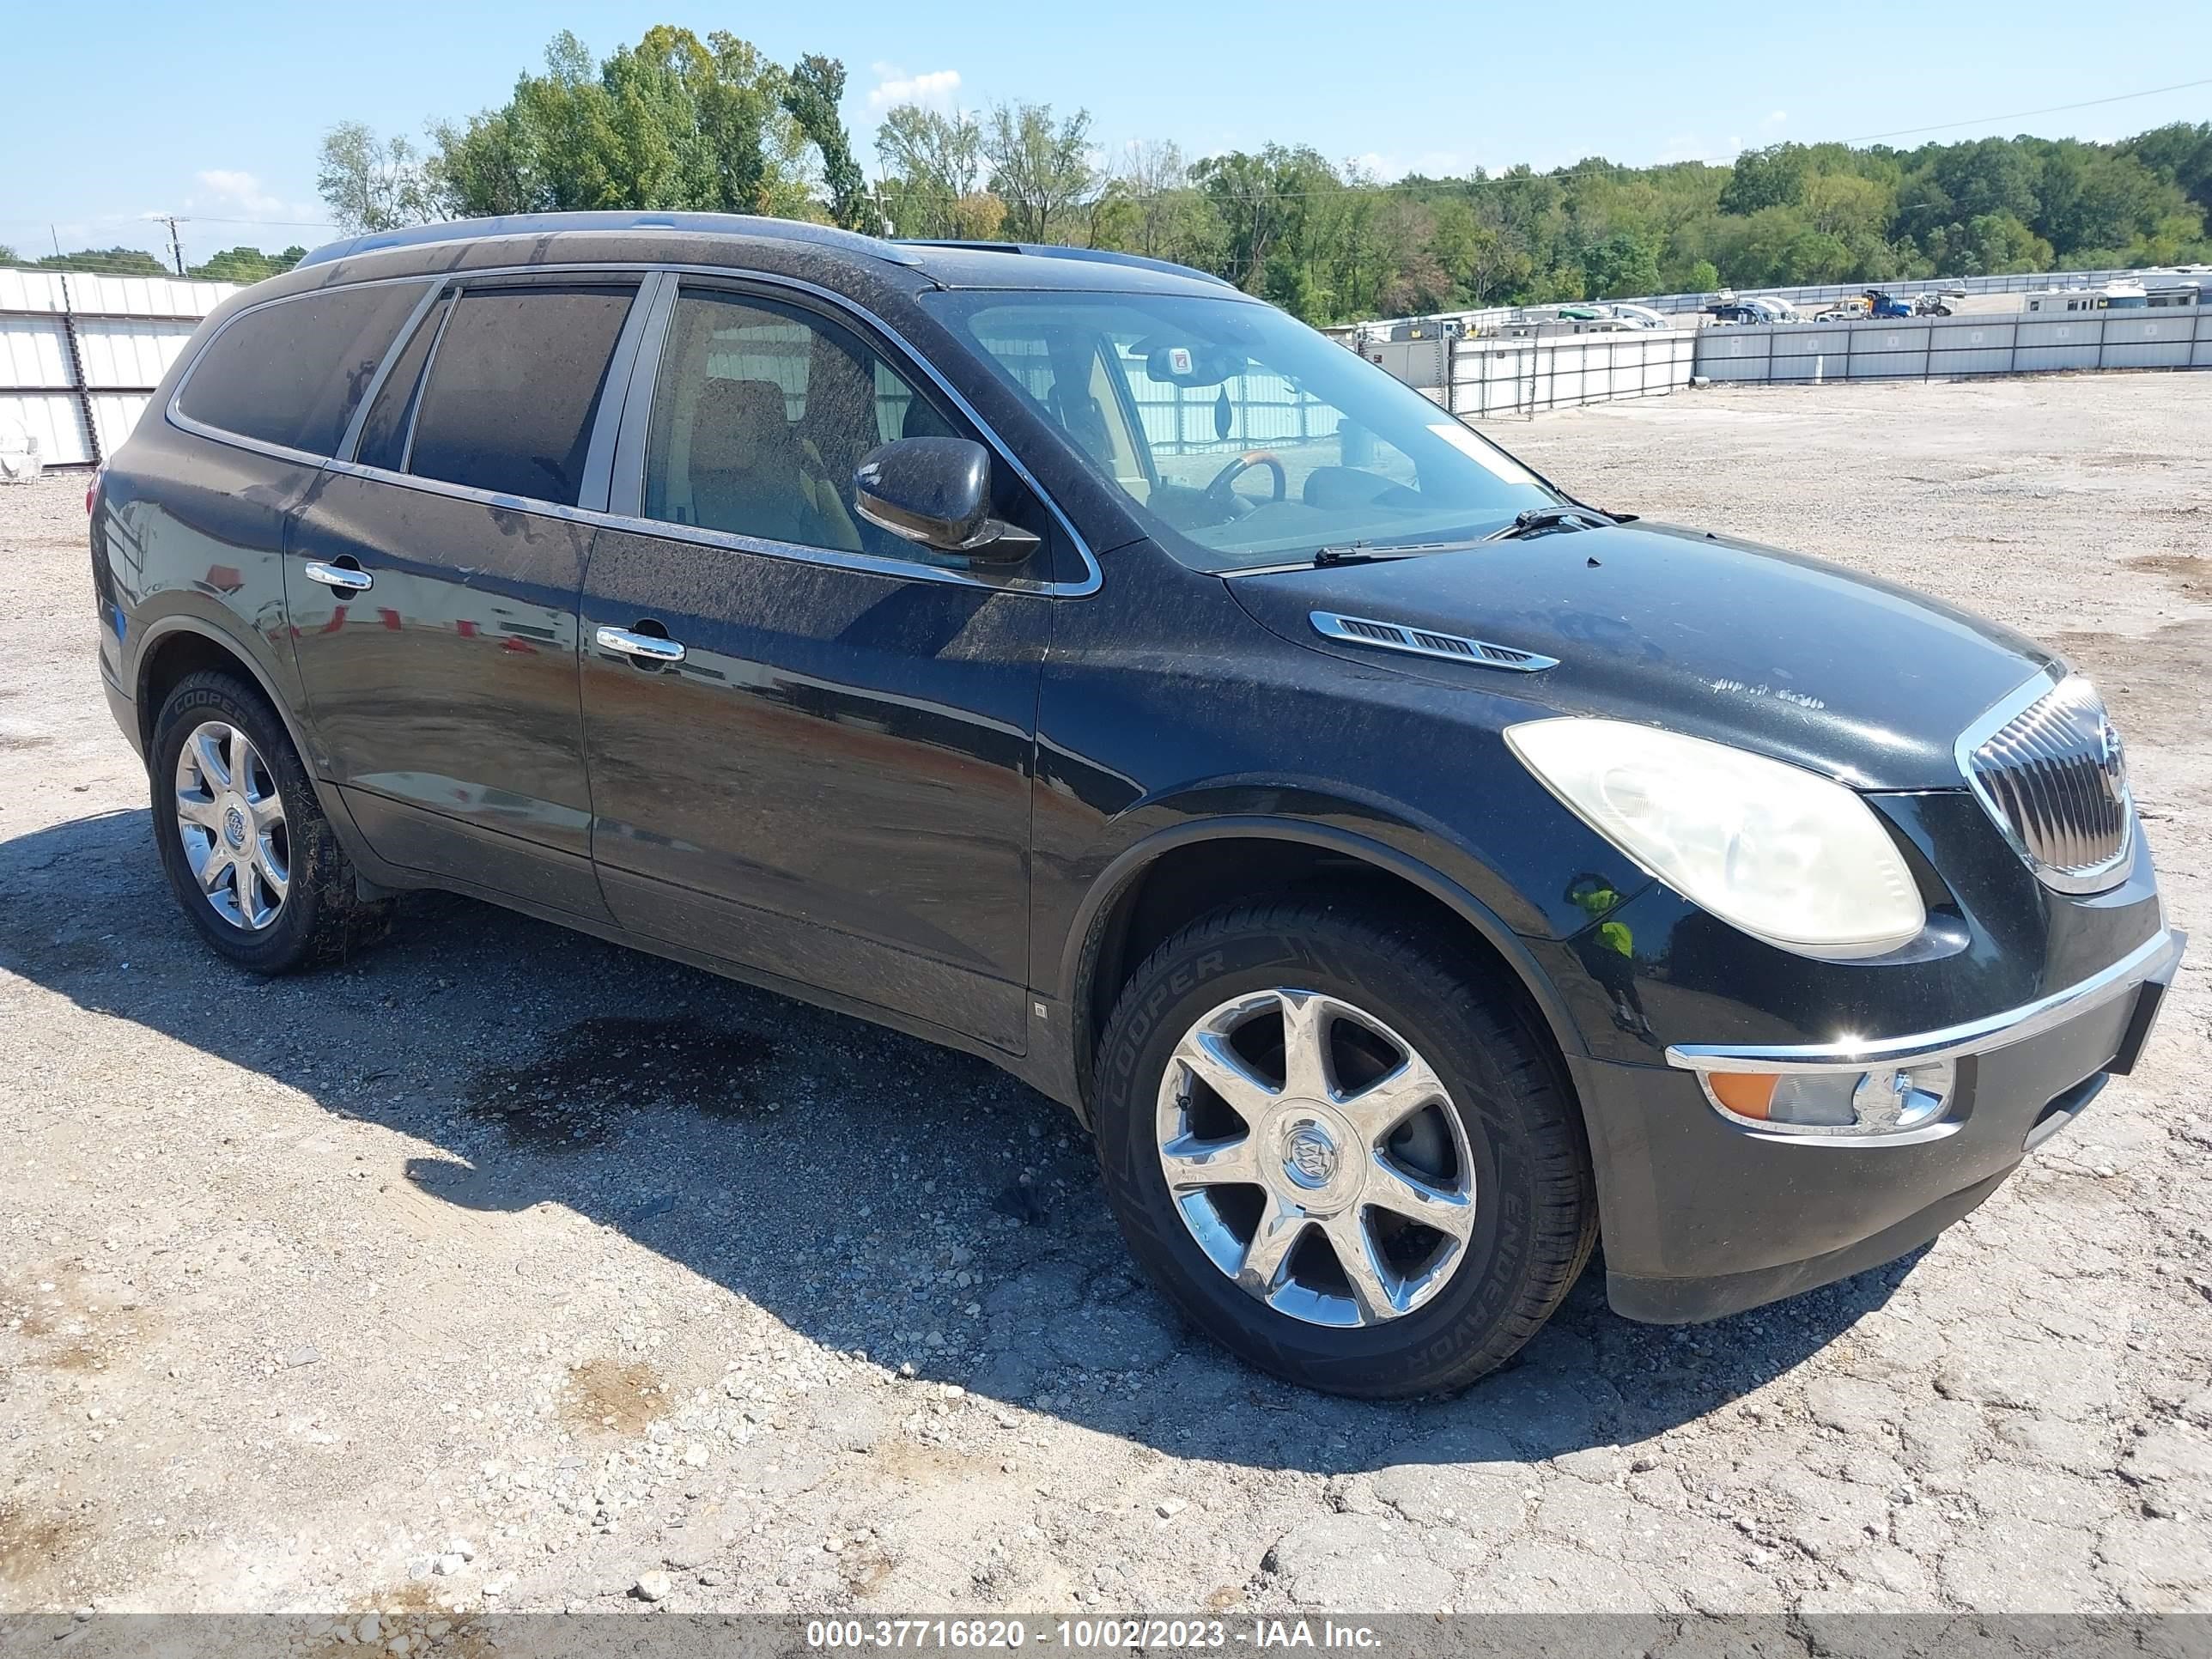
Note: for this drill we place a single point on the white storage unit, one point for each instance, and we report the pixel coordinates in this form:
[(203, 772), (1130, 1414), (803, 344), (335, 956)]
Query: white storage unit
[(79, 353)]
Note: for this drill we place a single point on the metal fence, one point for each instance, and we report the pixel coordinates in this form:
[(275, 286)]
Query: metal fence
[(1820, 293), (1943, 348), (80, 354), (1524, 377)]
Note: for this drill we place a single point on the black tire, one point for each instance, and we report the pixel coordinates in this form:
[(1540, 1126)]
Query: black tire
[(1536, 1218), (321, 919)]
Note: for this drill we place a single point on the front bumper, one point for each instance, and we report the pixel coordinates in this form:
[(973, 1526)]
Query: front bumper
[(1705, 1215)]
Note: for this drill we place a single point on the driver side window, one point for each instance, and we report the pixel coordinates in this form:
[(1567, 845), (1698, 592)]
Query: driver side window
[(760, 414)]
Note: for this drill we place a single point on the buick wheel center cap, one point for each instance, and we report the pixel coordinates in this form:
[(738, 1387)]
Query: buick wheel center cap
[(1309, 1156), (1318, 1166), (234, 826)]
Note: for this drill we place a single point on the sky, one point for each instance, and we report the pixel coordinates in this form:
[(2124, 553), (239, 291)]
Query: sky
[(215, 113)]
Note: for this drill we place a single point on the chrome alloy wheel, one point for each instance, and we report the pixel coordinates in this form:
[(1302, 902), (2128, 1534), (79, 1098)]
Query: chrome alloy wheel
[(1316, 1159), (230, 818)]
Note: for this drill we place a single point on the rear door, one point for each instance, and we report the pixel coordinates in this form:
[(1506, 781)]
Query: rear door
[(432, 579), (824, 773)]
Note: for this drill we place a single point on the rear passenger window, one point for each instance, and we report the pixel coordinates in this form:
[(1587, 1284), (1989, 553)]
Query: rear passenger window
[(292, 372), (514, 384), (384, 433)]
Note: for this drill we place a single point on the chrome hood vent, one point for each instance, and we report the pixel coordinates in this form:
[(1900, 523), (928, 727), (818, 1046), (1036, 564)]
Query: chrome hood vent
[(2048, 766), (1426, 642)]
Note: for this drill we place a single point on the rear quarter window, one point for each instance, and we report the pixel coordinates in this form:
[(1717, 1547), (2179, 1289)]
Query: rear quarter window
[(291, 372), (515, 385)]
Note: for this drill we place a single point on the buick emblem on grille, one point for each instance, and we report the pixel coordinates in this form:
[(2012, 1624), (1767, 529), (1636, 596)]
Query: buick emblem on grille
[(2049, 767)]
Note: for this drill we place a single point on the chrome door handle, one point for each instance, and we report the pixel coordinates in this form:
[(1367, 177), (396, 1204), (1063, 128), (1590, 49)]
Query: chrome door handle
[(336, 575), (648, 646)]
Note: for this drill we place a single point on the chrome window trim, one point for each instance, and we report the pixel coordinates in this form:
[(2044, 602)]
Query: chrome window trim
[(2153, 959), (174, 413), (429, 362), (350, 439), (630, 524), (1090, 583), (836, 558), (2099, 878)]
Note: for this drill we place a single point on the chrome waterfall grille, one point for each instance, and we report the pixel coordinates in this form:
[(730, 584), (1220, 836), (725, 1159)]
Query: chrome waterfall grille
[(2048, 766)]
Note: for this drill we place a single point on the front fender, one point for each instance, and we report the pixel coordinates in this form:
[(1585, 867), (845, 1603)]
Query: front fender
[(1079, 949)]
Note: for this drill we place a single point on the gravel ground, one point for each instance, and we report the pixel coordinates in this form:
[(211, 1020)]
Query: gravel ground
[(502, 1268)]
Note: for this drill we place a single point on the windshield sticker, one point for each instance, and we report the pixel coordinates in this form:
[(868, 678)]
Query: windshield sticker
[(1496, 460)]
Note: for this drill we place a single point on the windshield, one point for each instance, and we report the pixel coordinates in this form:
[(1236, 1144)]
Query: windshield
[(1242, 437)]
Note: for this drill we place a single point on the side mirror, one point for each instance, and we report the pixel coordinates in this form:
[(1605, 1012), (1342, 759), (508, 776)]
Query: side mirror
[(937, 492)]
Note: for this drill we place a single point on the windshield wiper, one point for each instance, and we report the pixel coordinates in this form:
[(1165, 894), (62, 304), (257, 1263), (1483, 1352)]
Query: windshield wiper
[(1355, 553), (1538, 520), (1369, 552)]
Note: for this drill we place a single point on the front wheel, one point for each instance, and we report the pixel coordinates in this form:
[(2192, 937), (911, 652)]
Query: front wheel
[(252, 860), (1340, 1149)]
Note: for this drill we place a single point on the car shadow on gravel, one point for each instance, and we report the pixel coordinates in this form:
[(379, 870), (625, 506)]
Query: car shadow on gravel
[(871, 1191)]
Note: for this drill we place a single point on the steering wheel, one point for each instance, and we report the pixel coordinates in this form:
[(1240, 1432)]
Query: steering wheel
[(1219, 490)]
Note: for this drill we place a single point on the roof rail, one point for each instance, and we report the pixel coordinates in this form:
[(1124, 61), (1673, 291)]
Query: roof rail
[(1054, 251), (549, 224)]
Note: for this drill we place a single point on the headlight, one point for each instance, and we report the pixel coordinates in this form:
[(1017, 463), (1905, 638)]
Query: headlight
[(1781, 852)]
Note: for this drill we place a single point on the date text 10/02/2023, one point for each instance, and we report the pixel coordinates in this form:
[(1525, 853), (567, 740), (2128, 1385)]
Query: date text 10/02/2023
[(1080, 1635)]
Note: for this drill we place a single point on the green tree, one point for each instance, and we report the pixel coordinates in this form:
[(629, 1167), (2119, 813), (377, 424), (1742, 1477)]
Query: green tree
[(2181, 153), (1040, 168), (107, 261), (1264, 201), (1773, 177), (248, 265), (1624, 264), (680, 122), (370, 183), (674, 122), (932, 163), (812, 95)]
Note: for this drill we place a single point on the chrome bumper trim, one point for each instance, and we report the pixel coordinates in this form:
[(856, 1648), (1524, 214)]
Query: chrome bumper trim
[(2154, 959)]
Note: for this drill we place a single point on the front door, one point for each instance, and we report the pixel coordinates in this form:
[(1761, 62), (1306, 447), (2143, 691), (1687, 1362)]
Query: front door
[(431, 583), (817, 764)]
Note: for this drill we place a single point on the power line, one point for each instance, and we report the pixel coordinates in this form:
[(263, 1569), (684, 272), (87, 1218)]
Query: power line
[(2019, 114)]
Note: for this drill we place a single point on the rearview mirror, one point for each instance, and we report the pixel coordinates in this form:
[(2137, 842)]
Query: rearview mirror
[(937, 492)]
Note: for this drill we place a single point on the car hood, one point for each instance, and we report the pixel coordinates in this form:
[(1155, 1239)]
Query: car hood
[(1771, 651)]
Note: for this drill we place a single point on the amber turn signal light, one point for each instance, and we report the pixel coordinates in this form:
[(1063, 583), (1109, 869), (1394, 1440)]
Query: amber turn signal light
[(1747, 1094)]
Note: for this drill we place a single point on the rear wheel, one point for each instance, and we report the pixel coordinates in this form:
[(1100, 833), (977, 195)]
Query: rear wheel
[(1342, 1149), (248, 851)]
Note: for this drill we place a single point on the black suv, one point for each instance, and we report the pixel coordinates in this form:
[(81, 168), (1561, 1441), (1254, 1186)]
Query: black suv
[(1403, 868)]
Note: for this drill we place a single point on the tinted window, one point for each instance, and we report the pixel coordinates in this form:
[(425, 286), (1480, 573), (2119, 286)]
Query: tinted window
[(514, 386), (760, 416), (384, 433), (291, 372)]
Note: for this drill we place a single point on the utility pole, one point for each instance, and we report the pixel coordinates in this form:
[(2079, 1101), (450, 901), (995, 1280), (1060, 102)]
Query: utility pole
[(176, 243)]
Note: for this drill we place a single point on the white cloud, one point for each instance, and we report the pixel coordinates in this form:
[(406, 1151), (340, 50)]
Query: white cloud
[(234, 193), (1775, 120), (894, 86)]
